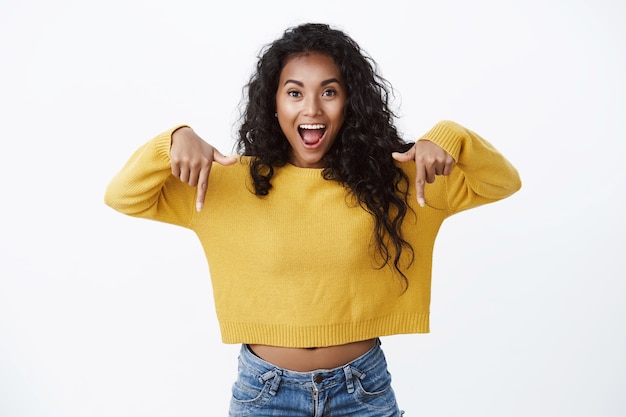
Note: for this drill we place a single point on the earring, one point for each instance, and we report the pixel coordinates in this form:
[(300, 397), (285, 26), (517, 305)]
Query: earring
[(275, 114)]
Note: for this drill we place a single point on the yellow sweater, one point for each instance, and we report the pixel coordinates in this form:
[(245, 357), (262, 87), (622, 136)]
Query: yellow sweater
[(295, 268)]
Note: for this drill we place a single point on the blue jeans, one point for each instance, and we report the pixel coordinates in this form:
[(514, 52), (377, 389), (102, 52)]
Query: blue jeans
[(360, 388)]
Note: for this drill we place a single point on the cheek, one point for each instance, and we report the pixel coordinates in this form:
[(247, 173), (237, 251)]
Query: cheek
[(280, 104), (340, 112), (340, 118), (286, 127), (285, 110), (281, 124)]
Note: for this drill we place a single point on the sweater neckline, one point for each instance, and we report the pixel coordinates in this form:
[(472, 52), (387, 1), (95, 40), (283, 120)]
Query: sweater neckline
[(292, 170)]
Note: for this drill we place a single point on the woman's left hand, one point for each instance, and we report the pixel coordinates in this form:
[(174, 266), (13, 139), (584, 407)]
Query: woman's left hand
[(430, 160)]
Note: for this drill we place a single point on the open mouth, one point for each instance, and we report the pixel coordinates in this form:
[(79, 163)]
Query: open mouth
[(312, 134)]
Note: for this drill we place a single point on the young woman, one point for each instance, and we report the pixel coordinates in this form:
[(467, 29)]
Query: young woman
[(319, 234)]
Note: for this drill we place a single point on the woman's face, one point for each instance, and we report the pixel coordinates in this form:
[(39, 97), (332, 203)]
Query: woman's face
[(310, 102)]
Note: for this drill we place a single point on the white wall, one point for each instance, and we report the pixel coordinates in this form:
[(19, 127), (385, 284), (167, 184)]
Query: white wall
[(104, 315)]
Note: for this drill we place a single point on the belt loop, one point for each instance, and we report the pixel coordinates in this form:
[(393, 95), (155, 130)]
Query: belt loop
[(275, 376), (350, 373)]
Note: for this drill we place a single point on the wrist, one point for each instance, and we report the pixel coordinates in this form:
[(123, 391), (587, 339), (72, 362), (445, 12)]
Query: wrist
[(179, 131)]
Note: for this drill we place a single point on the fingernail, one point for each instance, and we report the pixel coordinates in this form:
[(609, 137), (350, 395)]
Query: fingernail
[(421, 201), (198, 207)]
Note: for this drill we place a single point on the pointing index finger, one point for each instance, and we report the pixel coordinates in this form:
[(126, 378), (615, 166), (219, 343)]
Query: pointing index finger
[(203, 180), (420, 180)]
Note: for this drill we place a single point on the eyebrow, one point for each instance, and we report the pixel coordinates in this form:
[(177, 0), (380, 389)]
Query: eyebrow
[(323, 83)]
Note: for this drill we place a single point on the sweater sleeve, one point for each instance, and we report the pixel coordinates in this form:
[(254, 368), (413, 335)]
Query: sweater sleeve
[(146, 188), (481, 175)]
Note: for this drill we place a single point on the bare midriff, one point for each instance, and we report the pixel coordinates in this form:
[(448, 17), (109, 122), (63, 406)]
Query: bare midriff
[(311, 359)]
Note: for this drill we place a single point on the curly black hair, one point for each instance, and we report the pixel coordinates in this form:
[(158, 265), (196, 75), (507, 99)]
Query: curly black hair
[(360, 158)]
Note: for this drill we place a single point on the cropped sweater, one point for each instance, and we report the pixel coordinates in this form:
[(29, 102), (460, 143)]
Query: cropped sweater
[(296, 268)]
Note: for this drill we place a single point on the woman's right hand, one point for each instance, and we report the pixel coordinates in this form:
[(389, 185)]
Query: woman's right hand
[(191, 159)]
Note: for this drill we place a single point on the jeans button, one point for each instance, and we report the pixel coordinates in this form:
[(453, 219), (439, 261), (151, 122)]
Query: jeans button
[(318, 378)]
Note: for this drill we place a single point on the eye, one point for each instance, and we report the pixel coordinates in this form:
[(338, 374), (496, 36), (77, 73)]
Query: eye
[(293, 93), (329, 93)]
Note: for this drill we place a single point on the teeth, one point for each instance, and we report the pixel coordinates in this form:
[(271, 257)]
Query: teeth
[(317, 126)]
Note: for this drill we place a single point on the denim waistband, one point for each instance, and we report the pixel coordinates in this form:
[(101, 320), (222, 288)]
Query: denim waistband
[(321, 378)]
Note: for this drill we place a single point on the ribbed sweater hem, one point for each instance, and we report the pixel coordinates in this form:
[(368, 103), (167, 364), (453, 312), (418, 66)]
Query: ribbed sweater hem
[(322, 335)]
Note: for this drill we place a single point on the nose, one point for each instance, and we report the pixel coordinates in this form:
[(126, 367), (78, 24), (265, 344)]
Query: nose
[(312, 106)]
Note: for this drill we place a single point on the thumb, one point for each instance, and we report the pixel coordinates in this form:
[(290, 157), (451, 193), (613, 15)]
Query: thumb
[(404, 156), (221, 159)]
